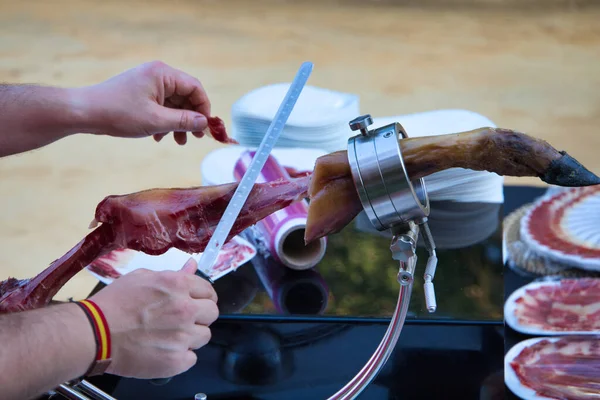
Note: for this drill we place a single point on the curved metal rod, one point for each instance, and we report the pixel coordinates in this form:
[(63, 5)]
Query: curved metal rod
[(366, 375)]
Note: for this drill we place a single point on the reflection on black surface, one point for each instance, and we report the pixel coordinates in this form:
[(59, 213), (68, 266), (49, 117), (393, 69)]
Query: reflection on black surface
[(292, 291), (255, 357), (261, 354), (357, 276)]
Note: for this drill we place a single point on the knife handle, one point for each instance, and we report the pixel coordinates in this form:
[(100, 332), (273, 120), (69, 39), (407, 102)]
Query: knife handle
[(204, 276)]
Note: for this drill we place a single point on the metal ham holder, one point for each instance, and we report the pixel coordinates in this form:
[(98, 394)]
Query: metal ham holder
[(392, 202)]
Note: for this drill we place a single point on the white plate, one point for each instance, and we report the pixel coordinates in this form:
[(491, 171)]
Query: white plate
[(510, 318), (315, 106), (124, 261), (578, 226), (510, 377)]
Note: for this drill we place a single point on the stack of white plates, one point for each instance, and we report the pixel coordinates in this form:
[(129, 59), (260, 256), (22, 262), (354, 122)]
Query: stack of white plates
[(319, 120)]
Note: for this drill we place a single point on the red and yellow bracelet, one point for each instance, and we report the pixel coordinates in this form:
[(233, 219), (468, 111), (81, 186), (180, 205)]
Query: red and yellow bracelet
[(101, 334)]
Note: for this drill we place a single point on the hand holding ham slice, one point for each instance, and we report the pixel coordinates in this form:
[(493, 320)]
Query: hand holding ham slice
[(152, 221)]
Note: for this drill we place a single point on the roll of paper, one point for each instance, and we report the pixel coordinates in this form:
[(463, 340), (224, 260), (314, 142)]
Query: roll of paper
[(283, 231)]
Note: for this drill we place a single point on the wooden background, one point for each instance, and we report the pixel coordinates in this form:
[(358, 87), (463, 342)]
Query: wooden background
[(534, 68)]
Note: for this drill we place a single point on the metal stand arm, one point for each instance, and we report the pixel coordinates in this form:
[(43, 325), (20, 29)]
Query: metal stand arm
[(366, 375)]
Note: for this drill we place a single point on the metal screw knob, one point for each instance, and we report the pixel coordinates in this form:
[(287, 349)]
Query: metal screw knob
[(402, 247), (361, 123)]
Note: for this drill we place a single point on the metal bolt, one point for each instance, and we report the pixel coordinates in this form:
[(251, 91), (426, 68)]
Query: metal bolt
[(361, 123), (402, 248), (387, 135)]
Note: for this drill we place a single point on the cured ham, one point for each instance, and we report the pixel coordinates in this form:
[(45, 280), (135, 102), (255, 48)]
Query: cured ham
[(562, 224), (570, 305), (153, 221), (335, 202), (564, 368), (217, 130)]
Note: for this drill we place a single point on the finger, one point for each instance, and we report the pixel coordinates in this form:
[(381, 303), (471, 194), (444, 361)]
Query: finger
[(190, 266), (177, 120), (201, 335), (179, 83), (180, 138), (199, 135), (158, 137), (188, 360), (208, 312), (199, 288)]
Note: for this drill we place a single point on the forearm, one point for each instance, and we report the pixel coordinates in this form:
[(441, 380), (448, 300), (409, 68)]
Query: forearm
[(34, 116), (40, 349)]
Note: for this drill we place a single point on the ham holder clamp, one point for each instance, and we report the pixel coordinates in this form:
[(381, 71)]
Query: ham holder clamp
[(392, 202)]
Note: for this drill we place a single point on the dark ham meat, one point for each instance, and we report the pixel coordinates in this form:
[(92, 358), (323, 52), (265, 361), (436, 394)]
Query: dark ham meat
[(151, 221), (568, 368), (217, 130), (569, 305)]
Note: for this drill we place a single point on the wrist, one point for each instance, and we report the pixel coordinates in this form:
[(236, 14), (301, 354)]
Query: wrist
[(102, 336), (82, 115), (85, 337)]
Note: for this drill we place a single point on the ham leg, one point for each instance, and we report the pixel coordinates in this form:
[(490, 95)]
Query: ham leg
[(334, 202), (151, 221)]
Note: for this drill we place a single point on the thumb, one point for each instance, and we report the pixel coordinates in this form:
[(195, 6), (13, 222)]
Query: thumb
[(190, 266), (172, 120)]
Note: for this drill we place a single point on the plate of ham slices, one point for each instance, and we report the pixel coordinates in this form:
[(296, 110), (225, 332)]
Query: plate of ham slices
[(113, 265), (565, 227), (555, 307), (554, 368)]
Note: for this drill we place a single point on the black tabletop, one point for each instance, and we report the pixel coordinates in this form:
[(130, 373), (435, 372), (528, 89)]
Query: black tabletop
[(357, 277), (308, 343)]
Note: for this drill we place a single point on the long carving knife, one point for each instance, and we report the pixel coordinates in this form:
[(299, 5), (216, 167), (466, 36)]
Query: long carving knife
[(211, 252)]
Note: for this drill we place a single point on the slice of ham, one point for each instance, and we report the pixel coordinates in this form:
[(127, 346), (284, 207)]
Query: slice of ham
[(568, 368), (217, 130), (151, 221), (571, 305)]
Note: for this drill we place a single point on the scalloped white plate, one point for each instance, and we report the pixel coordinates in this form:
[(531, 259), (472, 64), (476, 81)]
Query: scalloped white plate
[(512, 380), (510, 318), (510, 377), (579, 226)]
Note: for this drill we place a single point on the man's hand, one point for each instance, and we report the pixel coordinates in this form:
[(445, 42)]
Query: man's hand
[(151, 99), (156, 320)]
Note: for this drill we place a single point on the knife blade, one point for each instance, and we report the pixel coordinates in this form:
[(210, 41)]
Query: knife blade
[(219, 236)]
